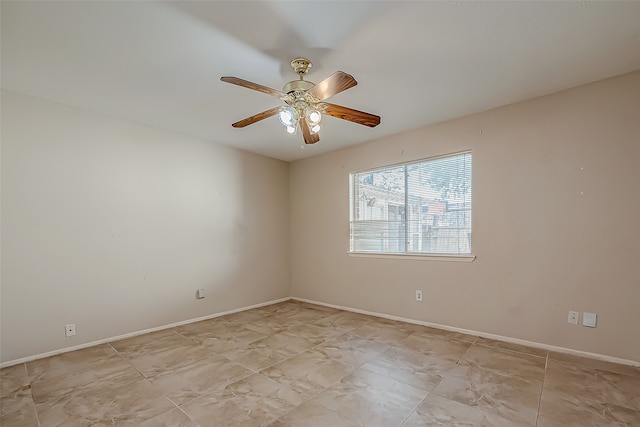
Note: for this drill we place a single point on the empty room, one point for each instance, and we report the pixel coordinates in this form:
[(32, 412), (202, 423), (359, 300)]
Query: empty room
[(320, 213)]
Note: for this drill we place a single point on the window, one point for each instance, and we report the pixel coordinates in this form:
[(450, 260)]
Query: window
[(421, 207)]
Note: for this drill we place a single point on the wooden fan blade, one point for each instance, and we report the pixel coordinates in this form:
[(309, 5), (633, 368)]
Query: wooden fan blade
[(334, 84), (254, 86), (352, 115), (309, 138), (256, 118)]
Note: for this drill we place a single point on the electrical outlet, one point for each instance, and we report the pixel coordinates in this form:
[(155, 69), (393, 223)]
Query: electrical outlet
[(573, 317), (419, 295), (70, 330)]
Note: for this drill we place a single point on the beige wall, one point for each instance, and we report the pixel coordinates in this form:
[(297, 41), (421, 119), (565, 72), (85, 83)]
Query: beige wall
[(556, 205), (113, 226)]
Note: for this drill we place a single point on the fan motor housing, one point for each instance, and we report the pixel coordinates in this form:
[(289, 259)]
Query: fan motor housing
[(297, 85)]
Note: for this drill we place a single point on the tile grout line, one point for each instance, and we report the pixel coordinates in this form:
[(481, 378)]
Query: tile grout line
[(144, 377), (464, 354), (324, 388), (390, 346), (126, 359), (33, 402), (397, 345), (182, 410), (418, 405), (311, 397), (544, 378), (510, 350)]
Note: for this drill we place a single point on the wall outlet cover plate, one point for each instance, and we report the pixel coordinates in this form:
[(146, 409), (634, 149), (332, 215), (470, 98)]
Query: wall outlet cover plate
[(573, 317), (589, 319)]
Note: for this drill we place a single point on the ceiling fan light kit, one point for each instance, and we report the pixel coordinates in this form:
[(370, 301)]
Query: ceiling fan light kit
[(287, 116), (304, 102)]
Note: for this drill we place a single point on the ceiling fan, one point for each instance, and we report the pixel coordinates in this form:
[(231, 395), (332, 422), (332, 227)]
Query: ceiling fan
[(305, 102)]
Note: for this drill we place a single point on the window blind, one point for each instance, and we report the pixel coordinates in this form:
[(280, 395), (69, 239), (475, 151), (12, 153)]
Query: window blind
[(421, 207)]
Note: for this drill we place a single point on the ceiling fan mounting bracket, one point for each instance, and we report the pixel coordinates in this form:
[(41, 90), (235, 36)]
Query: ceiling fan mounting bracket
[(301, 66)]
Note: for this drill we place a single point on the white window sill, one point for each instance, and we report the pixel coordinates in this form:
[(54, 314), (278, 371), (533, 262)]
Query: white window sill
[(417, 257)]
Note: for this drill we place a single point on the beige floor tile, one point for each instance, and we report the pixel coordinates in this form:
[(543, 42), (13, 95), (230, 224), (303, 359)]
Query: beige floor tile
[(382, 333), (508, 396), (229, 340), (313, 414), (268, 351), (371, 399), (351, 349), (252, 401), (281, 308), (68, 363), (561, 409), (435, 346), (297, 311), (244, 317), (12, 379), (410, 367), (200, 378), (110, 371), (223, 333), (593, 386), (308, 373), (272, 325), (135, 402), (451, 335), (510, 346), (395, 324), (172, 359), (505, 362), (595, 364), (16, 407), (257, 322), (306, 315), (343, 319), (210, 327), (436, 411), (316, 334), (172, 418), (151, 343)]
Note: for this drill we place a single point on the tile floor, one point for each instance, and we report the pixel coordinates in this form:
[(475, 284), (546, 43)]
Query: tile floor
[(297, 364)]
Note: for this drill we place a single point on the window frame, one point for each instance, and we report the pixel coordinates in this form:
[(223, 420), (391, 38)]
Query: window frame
[(422, 256)]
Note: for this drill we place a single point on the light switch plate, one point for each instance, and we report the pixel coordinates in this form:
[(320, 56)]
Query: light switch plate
[(589, 319)]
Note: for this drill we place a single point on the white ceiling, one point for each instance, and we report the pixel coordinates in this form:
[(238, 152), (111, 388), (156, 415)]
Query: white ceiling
[(416, 63)]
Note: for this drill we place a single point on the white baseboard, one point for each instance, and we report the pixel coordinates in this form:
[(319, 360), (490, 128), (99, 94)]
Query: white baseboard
[(134, 334), (482, 334)]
